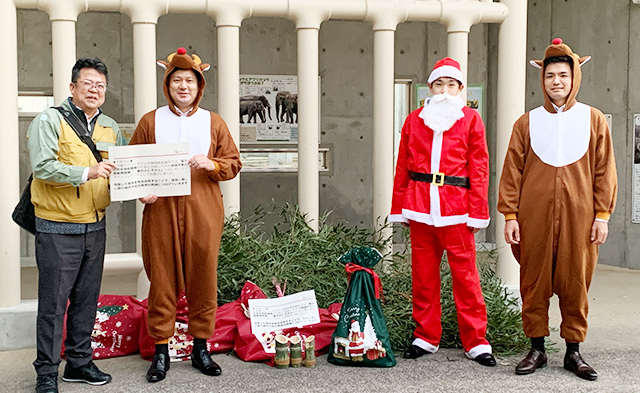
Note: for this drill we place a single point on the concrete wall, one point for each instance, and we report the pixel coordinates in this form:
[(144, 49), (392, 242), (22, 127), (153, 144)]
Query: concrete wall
[(346, 71), (268, 46)]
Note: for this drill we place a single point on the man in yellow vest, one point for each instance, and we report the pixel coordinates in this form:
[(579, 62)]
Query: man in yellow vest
[(70, 194)]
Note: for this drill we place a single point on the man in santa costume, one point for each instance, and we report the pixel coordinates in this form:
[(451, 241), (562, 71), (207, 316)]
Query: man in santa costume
[(557, 191), (181, 234), (440, 191)]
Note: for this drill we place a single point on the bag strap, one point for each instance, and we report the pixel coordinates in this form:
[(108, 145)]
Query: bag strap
[(80, 129), (352, 268)]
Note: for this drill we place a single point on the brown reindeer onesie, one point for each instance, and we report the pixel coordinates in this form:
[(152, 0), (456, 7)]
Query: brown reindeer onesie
[(559, 176), (181, 235)]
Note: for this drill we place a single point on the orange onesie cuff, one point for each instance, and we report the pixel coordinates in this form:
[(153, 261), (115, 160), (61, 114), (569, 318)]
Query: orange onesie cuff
[(216, 168), (510, 216), (603, 215)]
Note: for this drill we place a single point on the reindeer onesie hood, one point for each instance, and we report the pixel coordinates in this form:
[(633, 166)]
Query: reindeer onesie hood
[(558, 48), (179, 60)]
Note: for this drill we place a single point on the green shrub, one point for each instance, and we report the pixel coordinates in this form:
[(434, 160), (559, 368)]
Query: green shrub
[(308, 260)]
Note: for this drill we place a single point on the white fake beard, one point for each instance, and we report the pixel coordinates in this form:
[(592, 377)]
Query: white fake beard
[(442, 112)]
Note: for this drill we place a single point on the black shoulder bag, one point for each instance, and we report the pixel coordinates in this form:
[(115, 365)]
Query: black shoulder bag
[(24, 212)]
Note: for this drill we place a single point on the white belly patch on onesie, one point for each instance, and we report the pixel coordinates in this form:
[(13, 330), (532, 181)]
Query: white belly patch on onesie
[(560, 139)]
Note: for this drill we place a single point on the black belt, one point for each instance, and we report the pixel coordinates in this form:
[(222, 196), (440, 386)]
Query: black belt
[(440, 179)]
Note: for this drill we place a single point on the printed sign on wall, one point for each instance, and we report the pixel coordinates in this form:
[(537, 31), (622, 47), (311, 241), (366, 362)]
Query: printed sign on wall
[(268, 108)]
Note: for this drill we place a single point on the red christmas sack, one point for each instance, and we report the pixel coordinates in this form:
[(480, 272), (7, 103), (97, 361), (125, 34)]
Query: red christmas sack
[(223, 339), (116, 328), (233, 331), (261, 348)]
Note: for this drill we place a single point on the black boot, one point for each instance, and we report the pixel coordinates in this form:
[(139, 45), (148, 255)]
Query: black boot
[(486, 359), (201, 359), (160, 364), (414, 352)]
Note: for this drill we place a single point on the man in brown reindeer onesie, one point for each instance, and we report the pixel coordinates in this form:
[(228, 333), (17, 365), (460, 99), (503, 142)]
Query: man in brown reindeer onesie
[(557, 191), (181, 235)]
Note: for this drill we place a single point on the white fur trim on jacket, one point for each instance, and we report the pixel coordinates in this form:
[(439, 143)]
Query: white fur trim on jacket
[(428, 219), (436, 221), (425, 345), (478, 350), (478, 223), (446, 72), (398, 218)]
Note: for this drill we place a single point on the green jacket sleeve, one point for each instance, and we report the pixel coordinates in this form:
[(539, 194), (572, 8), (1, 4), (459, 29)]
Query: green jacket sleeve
[(120, 141), (42, 136)]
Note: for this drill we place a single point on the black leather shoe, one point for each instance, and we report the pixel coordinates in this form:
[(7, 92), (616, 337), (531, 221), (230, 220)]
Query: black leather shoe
[(159, 367), (486, 359), (89, 373), (201, 360), (47, 383), (573, 361), (414, 352), (535, 359)]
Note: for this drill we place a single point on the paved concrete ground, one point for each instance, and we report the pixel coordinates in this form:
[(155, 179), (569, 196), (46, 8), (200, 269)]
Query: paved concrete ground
[(612, 348)]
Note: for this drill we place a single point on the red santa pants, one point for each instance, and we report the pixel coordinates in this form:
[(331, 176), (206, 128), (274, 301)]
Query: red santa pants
[(427, 246)]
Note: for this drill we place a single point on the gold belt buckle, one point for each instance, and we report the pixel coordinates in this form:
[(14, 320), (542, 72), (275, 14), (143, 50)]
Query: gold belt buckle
[(438, 179)]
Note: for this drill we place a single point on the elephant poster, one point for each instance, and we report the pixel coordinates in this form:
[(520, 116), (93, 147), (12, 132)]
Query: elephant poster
[(268, 108)]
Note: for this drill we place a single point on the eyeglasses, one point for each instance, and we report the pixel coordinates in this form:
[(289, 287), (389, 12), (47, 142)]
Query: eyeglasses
[(89, 84)]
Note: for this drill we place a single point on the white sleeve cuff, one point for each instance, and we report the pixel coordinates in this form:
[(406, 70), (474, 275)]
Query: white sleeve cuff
[(397, 218), (602, 220), (85, 176), (478, 223)]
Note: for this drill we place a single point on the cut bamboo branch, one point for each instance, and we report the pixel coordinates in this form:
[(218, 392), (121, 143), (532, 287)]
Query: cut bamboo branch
[(310, 351), (296, 351), (282, 351)]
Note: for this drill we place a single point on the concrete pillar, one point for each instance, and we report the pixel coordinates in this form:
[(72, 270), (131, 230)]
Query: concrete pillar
[(228, 104), (144, 68), (145, 100), (512, 60), (458, 50), (63, 45), (9, 158), (308, 125), (383, 104)]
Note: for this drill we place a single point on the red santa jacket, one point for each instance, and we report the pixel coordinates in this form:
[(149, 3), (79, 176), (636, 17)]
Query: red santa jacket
[(459, 151)]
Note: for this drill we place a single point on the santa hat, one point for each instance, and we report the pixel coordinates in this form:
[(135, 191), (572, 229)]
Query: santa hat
[(446, 68)]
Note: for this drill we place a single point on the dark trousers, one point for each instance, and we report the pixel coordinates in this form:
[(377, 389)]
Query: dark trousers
[(69, 272)]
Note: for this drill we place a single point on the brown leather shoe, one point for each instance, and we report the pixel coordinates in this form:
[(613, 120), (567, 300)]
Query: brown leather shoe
[(535, 359), (573, 361)]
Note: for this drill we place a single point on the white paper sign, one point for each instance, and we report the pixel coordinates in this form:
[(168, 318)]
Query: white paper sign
[(268, 315), (160, 169)]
